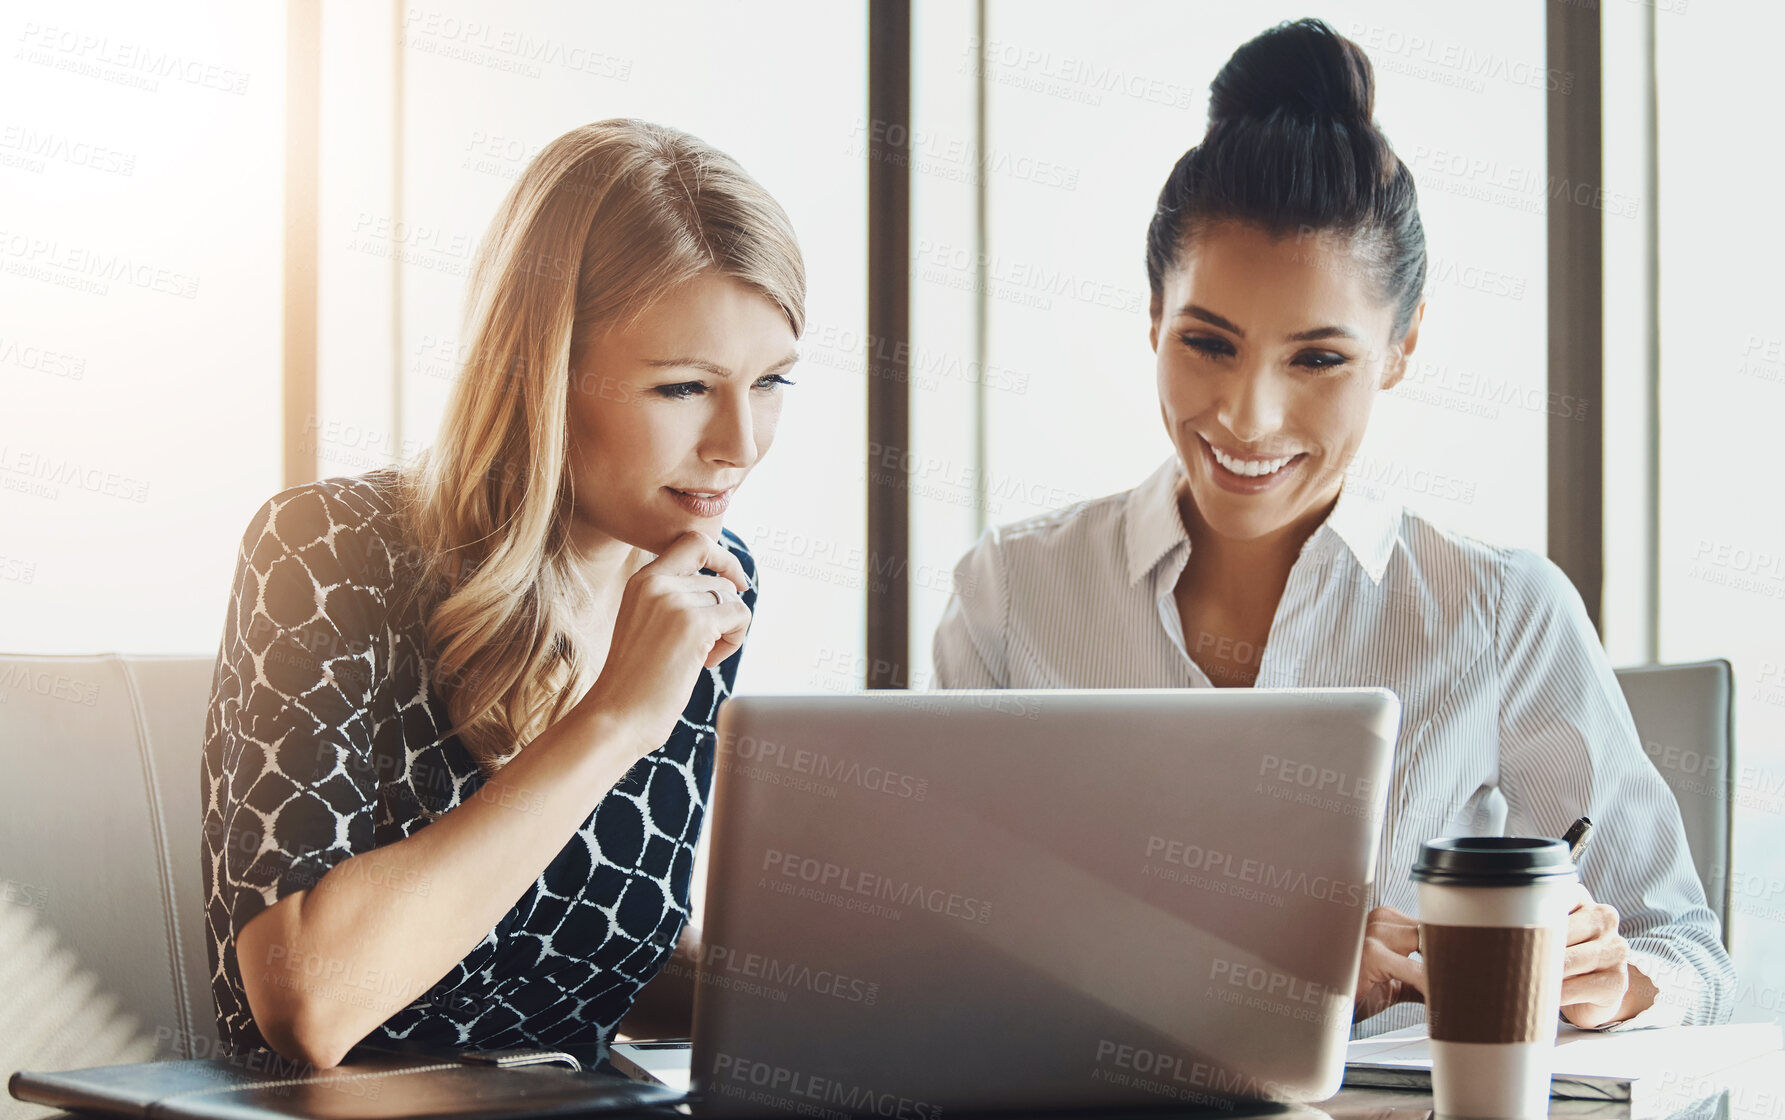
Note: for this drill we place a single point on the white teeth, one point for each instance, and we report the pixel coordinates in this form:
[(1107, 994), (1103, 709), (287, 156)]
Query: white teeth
[(1250, 468)]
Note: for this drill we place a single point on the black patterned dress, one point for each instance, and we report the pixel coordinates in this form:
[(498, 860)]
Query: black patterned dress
[(324, 739)]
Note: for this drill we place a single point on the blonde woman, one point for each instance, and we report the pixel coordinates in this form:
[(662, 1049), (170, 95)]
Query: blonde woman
[(460, 739)]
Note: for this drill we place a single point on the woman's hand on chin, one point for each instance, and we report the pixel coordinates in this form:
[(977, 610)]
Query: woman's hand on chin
[(673, 621)]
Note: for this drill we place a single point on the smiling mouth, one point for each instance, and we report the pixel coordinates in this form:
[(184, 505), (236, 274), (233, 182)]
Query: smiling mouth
[(1249, 468)]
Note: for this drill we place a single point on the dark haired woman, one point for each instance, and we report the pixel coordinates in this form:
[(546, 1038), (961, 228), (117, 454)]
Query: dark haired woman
[(1287, 263)]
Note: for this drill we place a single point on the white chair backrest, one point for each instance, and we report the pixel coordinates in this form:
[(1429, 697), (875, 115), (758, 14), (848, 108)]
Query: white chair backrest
[(1683, 716), (99, 829)]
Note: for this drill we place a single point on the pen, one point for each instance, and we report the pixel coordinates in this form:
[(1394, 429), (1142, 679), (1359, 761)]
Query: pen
[(1577, 836)]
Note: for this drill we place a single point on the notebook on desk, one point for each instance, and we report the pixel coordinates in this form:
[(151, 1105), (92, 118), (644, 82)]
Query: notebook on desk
[(369, 1084), (1590, 1065)]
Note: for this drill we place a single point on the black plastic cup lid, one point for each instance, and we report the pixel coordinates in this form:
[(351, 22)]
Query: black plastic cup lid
[(1492, 861)]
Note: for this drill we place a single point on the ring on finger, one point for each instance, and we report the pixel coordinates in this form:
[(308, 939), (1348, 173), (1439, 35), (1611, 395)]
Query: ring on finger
[(718, 600)]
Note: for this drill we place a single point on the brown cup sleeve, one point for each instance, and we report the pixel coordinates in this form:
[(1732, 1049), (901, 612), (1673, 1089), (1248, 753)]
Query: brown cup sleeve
[(1488, 983)]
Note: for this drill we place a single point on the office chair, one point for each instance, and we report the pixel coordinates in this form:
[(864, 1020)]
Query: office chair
[(1684, 717), (99, 858)]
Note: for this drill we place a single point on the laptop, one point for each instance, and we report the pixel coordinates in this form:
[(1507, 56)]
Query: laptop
[(920, 903)]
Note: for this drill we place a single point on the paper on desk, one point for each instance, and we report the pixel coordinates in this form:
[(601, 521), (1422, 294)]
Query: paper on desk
[(1590, 1065), (660, 1064)]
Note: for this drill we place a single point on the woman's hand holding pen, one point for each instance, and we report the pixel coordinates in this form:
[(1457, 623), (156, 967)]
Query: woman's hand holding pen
[(1598, 984), (672, 622)]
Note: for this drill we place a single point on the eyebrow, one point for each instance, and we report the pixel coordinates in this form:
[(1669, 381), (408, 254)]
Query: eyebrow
[(1207, 316), (714, 368), (1323, 332)]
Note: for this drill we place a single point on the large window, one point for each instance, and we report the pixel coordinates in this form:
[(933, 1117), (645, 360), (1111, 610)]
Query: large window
[(1084, 120), (142, 159), (142, 278), (139, 345), (1721, 549), (484, 86)]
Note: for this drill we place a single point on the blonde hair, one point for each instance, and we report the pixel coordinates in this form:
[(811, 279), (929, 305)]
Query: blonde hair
[(603, 221)]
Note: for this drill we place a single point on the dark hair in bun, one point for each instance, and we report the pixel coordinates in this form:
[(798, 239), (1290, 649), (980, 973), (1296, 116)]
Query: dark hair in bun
[(1292, 147)]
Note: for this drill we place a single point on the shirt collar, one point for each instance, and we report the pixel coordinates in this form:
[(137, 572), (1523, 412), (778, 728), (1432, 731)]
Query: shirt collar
[(1151, 526), (1367, 524)]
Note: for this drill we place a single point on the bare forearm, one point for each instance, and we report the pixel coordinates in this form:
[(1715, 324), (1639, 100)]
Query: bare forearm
[(382, 927)]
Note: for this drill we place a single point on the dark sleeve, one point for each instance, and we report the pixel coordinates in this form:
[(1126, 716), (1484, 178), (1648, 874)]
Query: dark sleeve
[(288, 752)]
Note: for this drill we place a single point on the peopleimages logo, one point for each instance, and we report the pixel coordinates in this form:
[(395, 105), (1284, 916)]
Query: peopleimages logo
[(1217, 867), (721, 959), (1242, 984), (823, 876), (1170, 1075), (816, 764), (782, 1086), (1268, 982), (43, 683), (1320, 779)]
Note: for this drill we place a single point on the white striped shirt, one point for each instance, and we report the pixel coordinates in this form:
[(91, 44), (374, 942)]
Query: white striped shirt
[(1511, 720)]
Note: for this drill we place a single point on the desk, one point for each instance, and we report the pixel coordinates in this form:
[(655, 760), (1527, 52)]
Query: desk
[(1754, 1090)]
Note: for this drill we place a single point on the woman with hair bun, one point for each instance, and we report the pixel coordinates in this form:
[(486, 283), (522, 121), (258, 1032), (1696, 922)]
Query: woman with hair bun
[(1287, 265), (460, 740)]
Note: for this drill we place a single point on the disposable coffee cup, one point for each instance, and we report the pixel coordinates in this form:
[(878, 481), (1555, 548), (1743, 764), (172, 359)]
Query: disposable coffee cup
[(1493, 922)]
